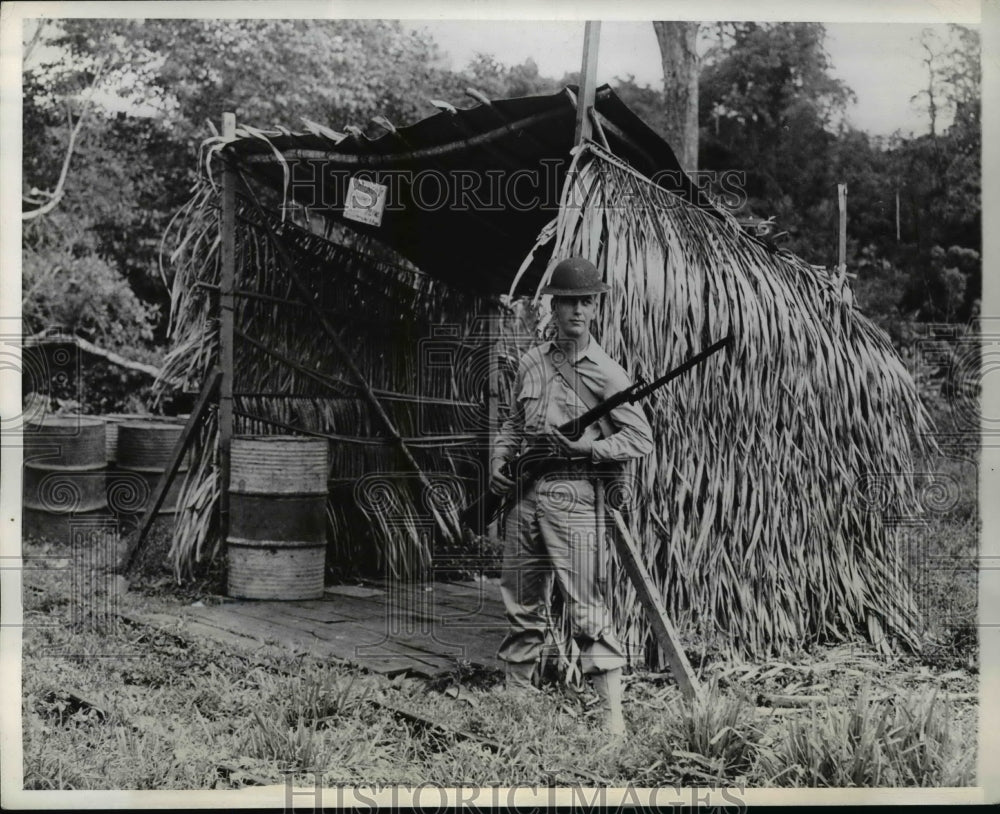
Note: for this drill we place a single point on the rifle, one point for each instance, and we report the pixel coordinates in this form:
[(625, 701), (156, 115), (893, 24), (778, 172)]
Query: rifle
[(529, 465)]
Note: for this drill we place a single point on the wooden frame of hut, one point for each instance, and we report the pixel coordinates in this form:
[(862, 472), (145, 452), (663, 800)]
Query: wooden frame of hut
[(764, 512)]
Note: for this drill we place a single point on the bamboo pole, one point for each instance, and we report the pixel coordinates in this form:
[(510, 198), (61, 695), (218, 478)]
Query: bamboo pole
[(344, 314), (842, 240), (595, 120), (226, 338), (588, 81), (499, 158), (548, 117), (543, 145), (493, 405)]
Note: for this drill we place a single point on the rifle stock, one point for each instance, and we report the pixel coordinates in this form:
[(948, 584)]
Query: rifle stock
[(526, 467)]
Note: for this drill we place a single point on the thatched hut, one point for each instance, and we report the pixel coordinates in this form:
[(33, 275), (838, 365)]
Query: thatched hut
[(763, 511)]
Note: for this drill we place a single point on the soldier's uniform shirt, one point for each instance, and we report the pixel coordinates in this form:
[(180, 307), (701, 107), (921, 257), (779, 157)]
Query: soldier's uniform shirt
[(552, 528)]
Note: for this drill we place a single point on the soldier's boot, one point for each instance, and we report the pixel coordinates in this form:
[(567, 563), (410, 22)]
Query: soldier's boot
[(609, 688), (518, 677)]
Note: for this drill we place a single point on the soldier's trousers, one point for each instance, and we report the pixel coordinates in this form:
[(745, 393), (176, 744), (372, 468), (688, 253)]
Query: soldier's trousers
[(551, 532)]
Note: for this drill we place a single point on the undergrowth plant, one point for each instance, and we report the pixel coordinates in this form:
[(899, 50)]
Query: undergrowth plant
[(301, 724), (716, 736), (909, 742)]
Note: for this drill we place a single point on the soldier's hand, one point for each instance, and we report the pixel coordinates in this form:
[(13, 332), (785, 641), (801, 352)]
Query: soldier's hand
[(500, 484), (579, 448)]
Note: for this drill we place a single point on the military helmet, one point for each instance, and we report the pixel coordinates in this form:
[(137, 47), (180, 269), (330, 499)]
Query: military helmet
[(575, 277)]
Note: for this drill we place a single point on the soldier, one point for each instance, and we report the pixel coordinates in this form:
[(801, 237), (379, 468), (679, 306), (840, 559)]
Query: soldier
[(552, 529)]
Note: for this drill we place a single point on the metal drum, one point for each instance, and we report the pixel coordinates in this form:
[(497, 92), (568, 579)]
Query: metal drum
[(276, 546), (111, 424), (64, 474), (143, 452), (112, 421)]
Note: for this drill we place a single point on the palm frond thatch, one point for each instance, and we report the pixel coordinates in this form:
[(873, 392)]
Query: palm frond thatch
[(755, 508), (289, 378)]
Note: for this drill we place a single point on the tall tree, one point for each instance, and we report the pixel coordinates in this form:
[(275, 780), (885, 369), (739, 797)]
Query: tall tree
[(134, 156), (771, 108), (679, 58), (939, 177)]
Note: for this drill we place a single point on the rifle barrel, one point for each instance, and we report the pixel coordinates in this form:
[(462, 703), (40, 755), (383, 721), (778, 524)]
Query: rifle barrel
[(684, 367), (480, 513)]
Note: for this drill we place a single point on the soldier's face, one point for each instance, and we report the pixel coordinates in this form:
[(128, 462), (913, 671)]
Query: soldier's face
[(573, 315)]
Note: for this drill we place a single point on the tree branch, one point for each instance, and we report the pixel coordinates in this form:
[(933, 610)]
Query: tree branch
[(34, 40), (95, 350), (74, 131)]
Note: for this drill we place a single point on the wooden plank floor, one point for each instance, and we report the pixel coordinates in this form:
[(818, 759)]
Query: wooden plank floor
[(424, 630)]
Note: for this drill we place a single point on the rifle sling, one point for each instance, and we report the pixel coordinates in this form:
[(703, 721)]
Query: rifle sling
[(607, 473), (572, 379)]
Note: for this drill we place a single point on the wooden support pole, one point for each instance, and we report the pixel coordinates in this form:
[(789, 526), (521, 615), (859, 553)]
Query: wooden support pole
[(842, 240), (493, 403), (226, 338), (588, 81), (595, 120), (208, 392), (664, 631)]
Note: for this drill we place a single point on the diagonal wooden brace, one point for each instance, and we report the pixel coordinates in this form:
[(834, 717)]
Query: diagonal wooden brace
[(208, 392), (664, 631)]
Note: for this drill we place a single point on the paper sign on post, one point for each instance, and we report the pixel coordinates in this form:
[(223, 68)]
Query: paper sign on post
[(365, 201)]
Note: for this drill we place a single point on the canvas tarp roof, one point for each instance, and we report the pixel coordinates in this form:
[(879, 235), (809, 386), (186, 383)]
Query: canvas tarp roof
[(468, 190)]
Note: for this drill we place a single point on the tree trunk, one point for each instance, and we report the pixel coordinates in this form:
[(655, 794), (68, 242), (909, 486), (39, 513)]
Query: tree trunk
[(679, 58)]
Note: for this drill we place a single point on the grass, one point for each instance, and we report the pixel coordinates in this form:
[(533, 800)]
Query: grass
[(167, 713), (942, 549), (873, 744), (714, 735)]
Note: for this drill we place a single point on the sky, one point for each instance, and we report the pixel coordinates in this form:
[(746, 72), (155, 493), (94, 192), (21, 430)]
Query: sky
[(879, 61)]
